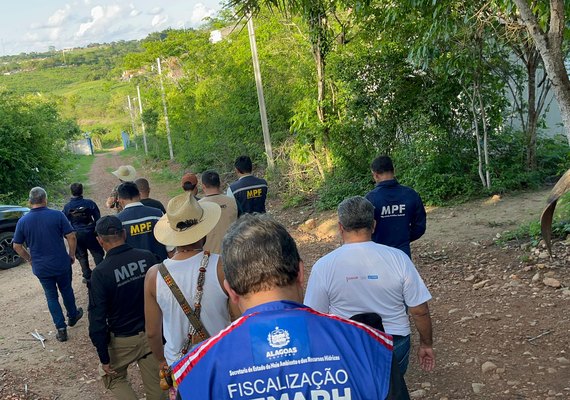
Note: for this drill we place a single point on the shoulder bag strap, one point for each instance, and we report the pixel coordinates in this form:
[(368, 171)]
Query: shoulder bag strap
[(190, 313)]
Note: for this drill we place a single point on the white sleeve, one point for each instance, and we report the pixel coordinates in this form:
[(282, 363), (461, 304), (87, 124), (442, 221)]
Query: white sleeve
[(415, 290), (316, 295), (229, 192)]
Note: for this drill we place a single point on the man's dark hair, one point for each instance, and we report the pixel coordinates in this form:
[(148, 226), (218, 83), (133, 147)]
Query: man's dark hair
[(243, 164), (128, 191), (259, 254), (143, 185), (382, 164), (356, 213), (211, 179), (76, 189), (188, 186)]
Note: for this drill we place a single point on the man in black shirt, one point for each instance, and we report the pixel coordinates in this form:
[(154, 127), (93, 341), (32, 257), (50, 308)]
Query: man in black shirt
[(83, 214), (144, 189), (116, 313), (249, 191)]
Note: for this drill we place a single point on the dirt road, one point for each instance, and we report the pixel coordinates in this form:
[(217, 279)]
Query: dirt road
[(500, 332)]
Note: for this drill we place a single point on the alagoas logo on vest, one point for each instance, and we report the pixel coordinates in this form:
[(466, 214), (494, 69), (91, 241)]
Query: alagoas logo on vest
[(279, 339)]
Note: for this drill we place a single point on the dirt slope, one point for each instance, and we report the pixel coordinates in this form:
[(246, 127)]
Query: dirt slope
[(489, 305)]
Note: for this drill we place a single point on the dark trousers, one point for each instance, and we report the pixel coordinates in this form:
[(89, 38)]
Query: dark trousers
[(51, 284), (86, 241)]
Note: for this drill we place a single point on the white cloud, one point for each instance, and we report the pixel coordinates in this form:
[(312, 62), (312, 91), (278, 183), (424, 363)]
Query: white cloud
[(158, 20), (135, 13), (102, 19), (200, 12), (156, 10), (59, 17)]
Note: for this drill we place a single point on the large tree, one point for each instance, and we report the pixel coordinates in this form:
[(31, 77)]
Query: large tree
[(547, 26)]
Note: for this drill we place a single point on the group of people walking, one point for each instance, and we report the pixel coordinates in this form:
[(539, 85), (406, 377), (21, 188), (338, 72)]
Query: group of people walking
[(169, 281)]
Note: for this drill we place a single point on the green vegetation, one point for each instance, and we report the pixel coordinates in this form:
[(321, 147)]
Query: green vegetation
[(424, 82), (79, 168), (32, 142)]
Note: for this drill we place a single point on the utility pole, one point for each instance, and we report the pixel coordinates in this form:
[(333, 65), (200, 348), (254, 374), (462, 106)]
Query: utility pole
[(131, 113), (142, 122), (165, 110), (260, 96)]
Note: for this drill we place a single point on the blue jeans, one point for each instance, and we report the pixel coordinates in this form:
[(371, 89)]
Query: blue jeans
[(402, 351), (62, 282)]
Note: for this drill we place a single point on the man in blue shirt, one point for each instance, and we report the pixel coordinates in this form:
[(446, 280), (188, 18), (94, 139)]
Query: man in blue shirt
[(43, 230), (280, 348), (249, 191), (83, 214), (398, 210)]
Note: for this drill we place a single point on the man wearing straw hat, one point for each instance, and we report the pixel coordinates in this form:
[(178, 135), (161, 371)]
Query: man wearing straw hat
[(125, 173), (197, 274)]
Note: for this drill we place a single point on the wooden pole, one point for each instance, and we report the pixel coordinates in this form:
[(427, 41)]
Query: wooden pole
[(165, 111), (260, 96), (142, 122)]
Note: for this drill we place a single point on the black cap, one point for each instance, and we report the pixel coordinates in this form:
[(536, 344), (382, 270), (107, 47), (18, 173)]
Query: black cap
[(108, 225)]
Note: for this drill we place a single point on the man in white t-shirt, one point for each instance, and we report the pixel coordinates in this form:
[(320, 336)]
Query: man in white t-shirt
[(365, 277)]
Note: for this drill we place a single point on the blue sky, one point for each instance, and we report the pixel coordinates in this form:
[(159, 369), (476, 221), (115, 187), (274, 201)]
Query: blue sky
[(35, 25)]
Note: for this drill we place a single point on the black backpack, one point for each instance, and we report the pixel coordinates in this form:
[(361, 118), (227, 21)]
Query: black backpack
[(80, 216)]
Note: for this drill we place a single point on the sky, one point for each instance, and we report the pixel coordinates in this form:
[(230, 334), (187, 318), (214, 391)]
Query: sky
[(35, 25)]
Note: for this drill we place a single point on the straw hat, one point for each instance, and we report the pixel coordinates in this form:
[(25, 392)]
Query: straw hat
[(126, 173), (186, 221)]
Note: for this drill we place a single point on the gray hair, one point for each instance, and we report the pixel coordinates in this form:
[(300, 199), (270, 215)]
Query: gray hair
[(258, 254), (37, 195), (356, 213)]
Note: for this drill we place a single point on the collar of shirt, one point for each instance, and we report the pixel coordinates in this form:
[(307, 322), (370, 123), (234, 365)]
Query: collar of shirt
[(76, 198), (119, 249), (273, 306), (389, 182), (244, 176), (135, 204)]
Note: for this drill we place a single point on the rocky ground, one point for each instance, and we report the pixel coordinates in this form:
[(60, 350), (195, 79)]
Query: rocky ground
[(500, 314)]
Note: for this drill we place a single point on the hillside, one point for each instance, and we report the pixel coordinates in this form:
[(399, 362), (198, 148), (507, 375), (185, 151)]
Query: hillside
[(85, 82)]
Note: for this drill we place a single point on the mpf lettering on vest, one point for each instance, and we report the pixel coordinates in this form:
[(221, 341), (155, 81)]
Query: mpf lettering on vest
[(393, 210), (143, 227), (126, 272), (253, 193)]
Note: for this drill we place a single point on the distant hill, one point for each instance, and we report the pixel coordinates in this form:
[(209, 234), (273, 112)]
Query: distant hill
[(85, 82)]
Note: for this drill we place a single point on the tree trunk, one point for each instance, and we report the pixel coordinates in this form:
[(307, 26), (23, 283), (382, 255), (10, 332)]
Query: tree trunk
[(477, 138), (532, 112), (549, 44)]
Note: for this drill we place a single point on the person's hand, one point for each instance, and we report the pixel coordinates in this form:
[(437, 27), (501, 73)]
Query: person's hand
[(108, 370), (426, 357)]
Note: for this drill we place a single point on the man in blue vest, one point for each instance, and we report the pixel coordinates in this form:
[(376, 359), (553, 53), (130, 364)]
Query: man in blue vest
[(139, 220), (398, 210), (249, 191), (280, 348)]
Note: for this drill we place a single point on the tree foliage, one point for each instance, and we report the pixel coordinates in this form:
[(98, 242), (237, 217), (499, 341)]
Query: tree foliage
[(32, 143)]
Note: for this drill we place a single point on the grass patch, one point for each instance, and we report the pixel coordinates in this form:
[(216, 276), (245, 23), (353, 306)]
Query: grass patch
[(81, 166), (530, 231)]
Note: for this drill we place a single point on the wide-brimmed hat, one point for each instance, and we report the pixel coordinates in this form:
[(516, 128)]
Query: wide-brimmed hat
[(186, 221), (126, 173)]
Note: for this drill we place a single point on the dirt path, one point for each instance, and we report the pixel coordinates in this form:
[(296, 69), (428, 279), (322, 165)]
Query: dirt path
[(489, 305)]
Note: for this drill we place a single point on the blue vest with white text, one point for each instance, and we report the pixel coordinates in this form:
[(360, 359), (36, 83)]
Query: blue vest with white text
[(286, 351)]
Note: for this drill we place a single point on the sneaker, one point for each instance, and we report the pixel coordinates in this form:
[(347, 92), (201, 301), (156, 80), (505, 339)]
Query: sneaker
[(73, 321), (61, 335)]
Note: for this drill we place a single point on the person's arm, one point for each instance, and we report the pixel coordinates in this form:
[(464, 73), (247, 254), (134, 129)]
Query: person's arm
[(22, 252), (232, 308), (418, 224), (72, 243), (422, 320), (96, 212), (153, 317), (98, 330)]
